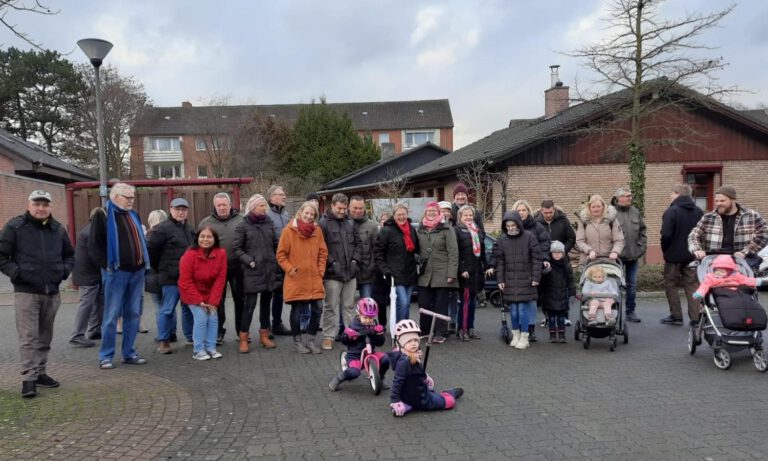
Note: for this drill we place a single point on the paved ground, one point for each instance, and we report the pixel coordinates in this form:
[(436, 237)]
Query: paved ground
[(648, 400)]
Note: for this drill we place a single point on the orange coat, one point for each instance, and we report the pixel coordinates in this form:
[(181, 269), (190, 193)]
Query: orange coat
[(309, 256)]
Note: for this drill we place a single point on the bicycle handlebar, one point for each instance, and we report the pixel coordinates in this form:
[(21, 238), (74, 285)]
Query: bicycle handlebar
[(434, 314)]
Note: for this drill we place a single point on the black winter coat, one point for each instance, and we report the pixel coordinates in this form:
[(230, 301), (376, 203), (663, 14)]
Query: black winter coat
[(36, 257), (559, 229), (392, 259), (537, 229), (166, 244), (343, 247), (518, 262), (468, 262), (676, 223), (86, 271), (408, 384), (355, 346), (257, 242), (367, 230), (557, 286)]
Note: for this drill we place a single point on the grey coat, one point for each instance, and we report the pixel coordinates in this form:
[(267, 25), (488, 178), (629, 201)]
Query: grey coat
[(441, 252), (518, 262), (633, 227), (226, 229)]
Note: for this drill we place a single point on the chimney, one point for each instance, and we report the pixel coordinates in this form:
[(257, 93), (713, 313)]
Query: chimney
[(186, 104), (556, 98), (387, 150)]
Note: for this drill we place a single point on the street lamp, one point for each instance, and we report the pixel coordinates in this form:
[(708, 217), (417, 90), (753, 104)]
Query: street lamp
[(96, 50)]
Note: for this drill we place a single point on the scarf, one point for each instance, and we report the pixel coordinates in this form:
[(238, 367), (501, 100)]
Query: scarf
[(113, 246), (306, 229), (405, 227), (257, 218), (475, 238), (432, 223)]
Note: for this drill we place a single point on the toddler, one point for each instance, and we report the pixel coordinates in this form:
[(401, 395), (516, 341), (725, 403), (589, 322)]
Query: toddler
[(724, 274), (601, 292), (556, 287)]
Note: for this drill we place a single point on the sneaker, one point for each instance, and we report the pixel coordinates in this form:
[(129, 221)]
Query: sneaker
[(327, 344), (189, 342), (671, 321), (568, 322), (438, 340), (543, 322), (202, 355), (281, 330), (28, 389), (95, 336), (135, 360), (632, 317), (81, 341), (44, 380), (214, 354), (611, 322), (106, 364)]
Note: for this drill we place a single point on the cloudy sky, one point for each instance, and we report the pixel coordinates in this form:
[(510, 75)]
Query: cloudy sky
[(489, 58)]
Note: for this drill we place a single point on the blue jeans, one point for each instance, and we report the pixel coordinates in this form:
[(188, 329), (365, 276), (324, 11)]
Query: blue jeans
[(520, 312), (166, 315), (366, 290), (630, 276), (206, 327), (403, 307), (122, 298)]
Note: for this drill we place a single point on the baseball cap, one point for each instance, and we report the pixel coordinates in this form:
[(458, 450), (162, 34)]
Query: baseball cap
[(179, 202), (39, 195)]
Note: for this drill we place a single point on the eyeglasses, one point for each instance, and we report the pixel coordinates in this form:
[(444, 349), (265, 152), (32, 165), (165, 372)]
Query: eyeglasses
[(128, 197)]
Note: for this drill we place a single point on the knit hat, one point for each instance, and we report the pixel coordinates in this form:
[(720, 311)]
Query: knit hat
[(556, 246), (460, 187), (728, 191), (312, 196), (445, 205)]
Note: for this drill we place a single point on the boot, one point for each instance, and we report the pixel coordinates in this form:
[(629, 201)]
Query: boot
[(523, 343), (264, 339), (552, 335), (336, 381), (561, 335), (312, 346), (515, 338), (243, 348), (298, 346), (532, 333)]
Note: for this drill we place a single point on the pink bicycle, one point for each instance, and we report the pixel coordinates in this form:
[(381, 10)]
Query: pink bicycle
[(370, 362)]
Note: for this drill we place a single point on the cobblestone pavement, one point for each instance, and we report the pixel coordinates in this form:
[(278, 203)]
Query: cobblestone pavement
[(648, 400)]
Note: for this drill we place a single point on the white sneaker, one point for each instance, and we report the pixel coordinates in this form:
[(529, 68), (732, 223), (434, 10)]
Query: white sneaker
[(214, 354), (567, 322), (543, 322), (202, 355)]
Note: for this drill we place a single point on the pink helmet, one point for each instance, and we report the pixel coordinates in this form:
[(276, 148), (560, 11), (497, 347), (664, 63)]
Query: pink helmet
[(367, 307), (724, 262), (407, 326)]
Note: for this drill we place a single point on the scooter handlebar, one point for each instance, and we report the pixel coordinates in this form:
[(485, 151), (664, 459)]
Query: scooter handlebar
[(434, 314)]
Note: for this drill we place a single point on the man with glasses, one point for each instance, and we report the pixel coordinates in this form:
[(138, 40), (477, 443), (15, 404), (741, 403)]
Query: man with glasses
[(116, 242), (635, 244), (276, 198)]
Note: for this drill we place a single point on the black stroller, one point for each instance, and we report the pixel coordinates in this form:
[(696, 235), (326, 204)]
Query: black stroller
[(601, 329), (731, 320)]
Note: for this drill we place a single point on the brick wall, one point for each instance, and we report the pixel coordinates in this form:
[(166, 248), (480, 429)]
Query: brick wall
[(6, 165), (14, 191)]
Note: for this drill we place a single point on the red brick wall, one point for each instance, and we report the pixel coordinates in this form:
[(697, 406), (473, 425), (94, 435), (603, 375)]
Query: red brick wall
[(14, 191), (6, 165)]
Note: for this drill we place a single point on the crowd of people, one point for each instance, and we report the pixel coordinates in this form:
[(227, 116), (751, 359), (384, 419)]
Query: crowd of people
[(318, 264)]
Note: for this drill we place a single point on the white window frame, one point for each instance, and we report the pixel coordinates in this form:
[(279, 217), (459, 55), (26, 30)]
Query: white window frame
[(200, 145), (382, 139), (178, 170), (431, 133), (152, 144)]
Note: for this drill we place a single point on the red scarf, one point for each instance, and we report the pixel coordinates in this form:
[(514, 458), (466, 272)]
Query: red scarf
[(406, 228), (306, 229)]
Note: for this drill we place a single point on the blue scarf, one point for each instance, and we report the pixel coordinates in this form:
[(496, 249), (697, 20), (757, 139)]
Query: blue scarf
[(113, 247)]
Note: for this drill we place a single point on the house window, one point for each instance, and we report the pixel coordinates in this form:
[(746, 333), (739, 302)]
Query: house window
[(200, 144), (383, 137), (202, 171), (167, 171), (701, 178), (163, 144), (416, 138)]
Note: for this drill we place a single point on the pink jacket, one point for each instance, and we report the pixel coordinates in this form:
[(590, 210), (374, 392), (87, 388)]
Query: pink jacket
[(734, 280)]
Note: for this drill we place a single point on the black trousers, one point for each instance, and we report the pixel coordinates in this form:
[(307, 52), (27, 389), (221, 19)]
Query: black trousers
[(235, 282), (305, 316), (436, 300), (250, 305)]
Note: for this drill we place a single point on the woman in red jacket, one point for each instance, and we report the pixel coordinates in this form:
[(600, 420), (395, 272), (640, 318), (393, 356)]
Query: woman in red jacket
[(202, 275)]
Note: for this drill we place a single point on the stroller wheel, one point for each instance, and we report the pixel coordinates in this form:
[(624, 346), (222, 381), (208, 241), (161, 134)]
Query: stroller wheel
[(612, 344), (586, 342), (692, 340), (722, 359), (625, 333), (577, 330), (760, 359)]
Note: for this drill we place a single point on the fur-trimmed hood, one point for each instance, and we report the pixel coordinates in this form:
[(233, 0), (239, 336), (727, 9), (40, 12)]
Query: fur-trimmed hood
[(610, 215)]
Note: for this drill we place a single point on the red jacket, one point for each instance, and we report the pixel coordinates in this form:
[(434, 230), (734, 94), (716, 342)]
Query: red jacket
[(202, 278)]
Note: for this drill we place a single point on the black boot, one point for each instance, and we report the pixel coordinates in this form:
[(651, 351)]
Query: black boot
[(531, 333), (336, 381), (552, 335), (28, 389)]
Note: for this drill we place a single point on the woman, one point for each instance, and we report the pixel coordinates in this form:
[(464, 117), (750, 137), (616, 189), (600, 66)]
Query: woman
[(533, 226), (598, 234), (395, 253), (440, 261), (254, 246), (470, 241), (302, 254), (202, 275)]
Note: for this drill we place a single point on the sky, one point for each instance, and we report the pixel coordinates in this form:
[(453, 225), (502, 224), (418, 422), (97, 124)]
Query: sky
[(489, 58)]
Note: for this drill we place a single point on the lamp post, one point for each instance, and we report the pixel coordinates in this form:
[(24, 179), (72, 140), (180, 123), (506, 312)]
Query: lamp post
[(96, 50)]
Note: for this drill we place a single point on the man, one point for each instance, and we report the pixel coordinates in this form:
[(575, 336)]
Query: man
[(224, 219), (676, 223), (343, 259), (116, 242), (276, 212), (87, 276), (558, 228), (635, 245), (167, 243), (729, 228), (36, 254), (461, 198), (367, 231)]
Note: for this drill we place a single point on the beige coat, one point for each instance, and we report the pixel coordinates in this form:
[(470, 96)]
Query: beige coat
[(604, 237)]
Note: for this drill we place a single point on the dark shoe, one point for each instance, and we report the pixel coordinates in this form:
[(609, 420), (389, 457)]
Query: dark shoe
[(81, 341), (106, 364), (561, 335), (135, 360), (632, 317), (220, 339), (46, 381), (95, 336), (281, 330), (456, 392), (694, 323), (164, 347), (671, 321), (28, 389), (337, 338), (173, 338), (452, 328), (143, 330), (532, 337), (552, 336)]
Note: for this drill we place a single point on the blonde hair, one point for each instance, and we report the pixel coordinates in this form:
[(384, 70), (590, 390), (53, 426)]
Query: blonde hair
[(525, 204), (594, 271), (156, 217), (310, 205), (464, 209), (594, 199)]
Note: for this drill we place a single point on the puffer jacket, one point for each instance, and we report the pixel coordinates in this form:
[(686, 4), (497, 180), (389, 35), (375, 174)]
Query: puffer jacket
[(468, 262), (604, 237), (343, 247), (367, 231), (167, 243), (537, 229), (309, 256), (518, 262), (392, 259), (225, 228), (255, 241), (676, 223), (559, 229), (633, 227), (557, 286), (439, 249)]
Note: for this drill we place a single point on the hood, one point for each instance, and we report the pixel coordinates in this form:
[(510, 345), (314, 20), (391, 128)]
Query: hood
[(724, 262), (511, 216), (684, 201), (610, 216)]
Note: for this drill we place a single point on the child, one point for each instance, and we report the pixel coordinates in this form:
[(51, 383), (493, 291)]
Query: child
[(724, 274), (412, 387), (365, 324), (556, 287), (601, 292)]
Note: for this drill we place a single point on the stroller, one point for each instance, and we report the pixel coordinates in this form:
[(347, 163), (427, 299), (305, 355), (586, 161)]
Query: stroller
[(731, 320), (613, 270)]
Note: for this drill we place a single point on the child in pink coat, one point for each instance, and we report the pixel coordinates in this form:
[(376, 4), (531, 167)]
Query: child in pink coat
[(724, 274)]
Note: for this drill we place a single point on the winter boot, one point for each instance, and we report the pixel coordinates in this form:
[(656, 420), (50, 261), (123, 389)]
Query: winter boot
[(264, 339), (561, 335), (243, 337), (515, 338), (336, 381), (312, 346), (523, 343), (552, 335), (532, 333), (298, 346)]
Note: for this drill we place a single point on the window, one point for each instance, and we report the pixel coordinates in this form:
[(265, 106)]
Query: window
[(162, 144), (701, 178), (202, 171), (383, 137), (168, 171), (415, 138), (199, 144)]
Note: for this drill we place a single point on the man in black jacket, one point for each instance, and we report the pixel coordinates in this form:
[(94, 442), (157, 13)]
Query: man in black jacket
[(36, 254), (556, 224), (87, 276), (676, 223)]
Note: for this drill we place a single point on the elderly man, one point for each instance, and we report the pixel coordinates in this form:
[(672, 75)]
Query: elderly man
[(36, 254), (729, 228), (276, 199), (117, 242), (635, 245), (224, 219)]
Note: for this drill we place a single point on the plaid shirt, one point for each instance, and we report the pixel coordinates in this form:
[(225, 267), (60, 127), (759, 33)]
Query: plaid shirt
[(749, 236)]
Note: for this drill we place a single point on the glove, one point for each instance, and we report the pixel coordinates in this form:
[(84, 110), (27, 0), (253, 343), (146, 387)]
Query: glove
[(400, 408), (379, 329), (698, 295), (351, 334), (429, 382)]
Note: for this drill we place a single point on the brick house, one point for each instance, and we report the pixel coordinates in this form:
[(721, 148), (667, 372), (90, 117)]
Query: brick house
[(170, 142)]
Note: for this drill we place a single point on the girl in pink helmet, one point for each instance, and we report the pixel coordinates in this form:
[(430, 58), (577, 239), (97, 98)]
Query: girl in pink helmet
[(724, 274)]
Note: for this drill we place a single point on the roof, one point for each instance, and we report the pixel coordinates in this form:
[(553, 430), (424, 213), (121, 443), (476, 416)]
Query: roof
[(32, 160), (388, 115), (760, 115)]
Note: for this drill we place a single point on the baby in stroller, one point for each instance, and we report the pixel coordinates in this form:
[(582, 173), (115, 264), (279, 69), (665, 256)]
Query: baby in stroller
[(602, 292), (724, 273)]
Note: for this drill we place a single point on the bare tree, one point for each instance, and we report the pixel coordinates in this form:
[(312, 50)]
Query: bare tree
[(217, 124), (646, 55), (392, 187), (480, 179), (8, 6)]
